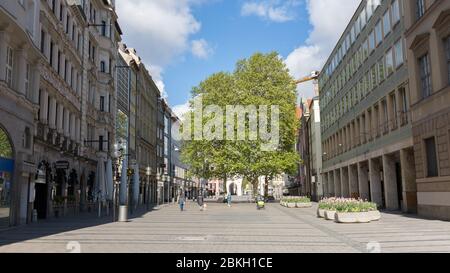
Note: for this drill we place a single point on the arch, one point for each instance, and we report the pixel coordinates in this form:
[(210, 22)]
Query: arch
[(6, 145)]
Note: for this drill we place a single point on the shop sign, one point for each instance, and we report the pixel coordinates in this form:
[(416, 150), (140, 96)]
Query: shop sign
[(62, 165), (41, 177)]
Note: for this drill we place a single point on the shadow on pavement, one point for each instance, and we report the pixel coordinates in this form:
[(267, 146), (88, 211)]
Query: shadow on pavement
[(54, 226)]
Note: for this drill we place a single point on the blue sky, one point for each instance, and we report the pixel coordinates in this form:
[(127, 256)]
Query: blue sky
[(231, 37), (184, 41)]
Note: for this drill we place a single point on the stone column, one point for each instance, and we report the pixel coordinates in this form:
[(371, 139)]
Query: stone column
[(72, 127), (331, 184), (66, 122), (325, 184), (363, 181), (52, 114), (62, 62), (407, 162), (43, 107), (353, 180), (77, 130), (337, 183), (60, 121), (375, 181), (55, 56), (36, 82), (21, 71), (48, 41), (375, 128), (390, 182), (345, 191)]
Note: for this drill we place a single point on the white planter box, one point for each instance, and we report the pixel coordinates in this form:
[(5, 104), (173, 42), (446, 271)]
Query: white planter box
[(291, 205), (329, 214), (321, 213), (374, 215), (303, 205), (357, 217)]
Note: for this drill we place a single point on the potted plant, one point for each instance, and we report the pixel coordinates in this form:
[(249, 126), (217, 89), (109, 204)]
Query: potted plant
[(303, 202), (356, 211)]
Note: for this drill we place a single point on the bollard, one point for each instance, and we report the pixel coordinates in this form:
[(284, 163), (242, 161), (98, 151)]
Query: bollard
[(123, 214)]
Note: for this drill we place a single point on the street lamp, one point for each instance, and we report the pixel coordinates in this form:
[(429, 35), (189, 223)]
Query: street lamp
[(148, 172)]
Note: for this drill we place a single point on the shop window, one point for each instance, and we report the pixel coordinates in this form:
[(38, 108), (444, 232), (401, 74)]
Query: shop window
[(431, 157)]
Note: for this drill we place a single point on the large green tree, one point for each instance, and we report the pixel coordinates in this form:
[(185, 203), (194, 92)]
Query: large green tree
[(261, 80)]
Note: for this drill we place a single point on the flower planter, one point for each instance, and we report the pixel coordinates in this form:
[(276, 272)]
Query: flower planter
[(303, 205), (357, 217), (291, 205), (374, 215), (329, 214), (321, 213), (352, 217)]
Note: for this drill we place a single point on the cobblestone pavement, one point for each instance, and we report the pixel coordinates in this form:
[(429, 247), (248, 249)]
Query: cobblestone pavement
[(239, 229)]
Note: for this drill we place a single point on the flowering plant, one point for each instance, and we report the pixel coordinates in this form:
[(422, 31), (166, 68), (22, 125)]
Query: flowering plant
[(296, 199), (347, 205)]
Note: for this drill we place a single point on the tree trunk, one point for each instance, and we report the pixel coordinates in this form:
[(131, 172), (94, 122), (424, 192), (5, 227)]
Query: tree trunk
[(266, 186), (225, 190), (255, 187)]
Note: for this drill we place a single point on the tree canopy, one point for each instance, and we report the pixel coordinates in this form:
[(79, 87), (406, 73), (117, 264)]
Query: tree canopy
[(262, 87)]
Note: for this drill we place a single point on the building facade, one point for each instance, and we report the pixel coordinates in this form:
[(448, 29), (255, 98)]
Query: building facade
[(365, 97), (315, 150), (62, 67), (20, 59), (427, 34)]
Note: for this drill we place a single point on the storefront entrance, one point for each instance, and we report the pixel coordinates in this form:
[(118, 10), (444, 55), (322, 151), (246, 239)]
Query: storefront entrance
[(6, 176)]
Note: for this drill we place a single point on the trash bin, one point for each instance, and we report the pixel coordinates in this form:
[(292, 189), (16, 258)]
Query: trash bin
[(123, 214)]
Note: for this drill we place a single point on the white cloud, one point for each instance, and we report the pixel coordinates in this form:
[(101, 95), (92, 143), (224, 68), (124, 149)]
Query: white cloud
[(328, 26), (181, 109), (160, 30), (201, 49), (272, 10)]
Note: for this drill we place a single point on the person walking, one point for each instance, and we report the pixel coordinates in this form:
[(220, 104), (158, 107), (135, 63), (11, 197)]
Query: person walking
[(201, 202), (182, 201), (229, 199)]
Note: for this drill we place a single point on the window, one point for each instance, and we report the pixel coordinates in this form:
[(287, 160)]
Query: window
[(431, 160), (395, 12), (399, 58), (386, 23), (9, 66), (394, 110), (59, 62), (102, 66), (447, 49), (51, 53), (103, 28), (102, 103), (381, 70), (420, 8), (378, 33), (363, 20), (42, 42), (371, 41), (373, 78), (27, 79), (389, 62), (425, 75)]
